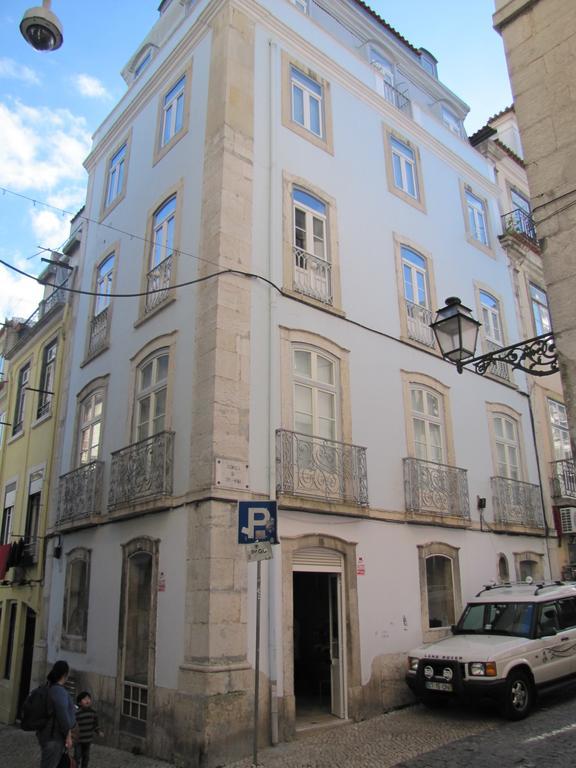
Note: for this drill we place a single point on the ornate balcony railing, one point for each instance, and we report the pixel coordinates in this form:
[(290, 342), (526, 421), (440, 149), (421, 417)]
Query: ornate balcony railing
[(99, 327), (312, 276), (30, 552), (520, 222), (142, 470), (393, 95), (419, 319), (321, 469), (55, 299), (563, 479), (498, 367), (516, 503), (436, 489), (158, 280), (80, 493)]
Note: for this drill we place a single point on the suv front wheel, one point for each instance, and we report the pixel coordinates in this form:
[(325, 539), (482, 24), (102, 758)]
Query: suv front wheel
[(518, 696)]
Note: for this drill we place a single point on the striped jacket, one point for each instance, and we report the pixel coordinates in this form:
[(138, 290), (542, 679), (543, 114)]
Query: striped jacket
[(87, 722)]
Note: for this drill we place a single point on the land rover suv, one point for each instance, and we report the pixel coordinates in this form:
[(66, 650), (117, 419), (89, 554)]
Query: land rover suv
[(511, 641)]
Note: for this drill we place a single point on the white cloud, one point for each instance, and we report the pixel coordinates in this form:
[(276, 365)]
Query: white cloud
[(52, 228), (11, 70), (90, 87), (19, 295), (41, 148)]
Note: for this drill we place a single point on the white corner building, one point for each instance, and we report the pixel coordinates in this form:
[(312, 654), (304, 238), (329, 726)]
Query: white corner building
[(276, 208)]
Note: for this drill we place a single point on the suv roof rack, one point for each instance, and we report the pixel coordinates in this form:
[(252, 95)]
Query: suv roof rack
[(538, 586)]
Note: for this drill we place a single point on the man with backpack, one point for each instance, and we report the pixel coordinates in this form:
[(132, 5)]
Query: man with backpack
[(56, 734)]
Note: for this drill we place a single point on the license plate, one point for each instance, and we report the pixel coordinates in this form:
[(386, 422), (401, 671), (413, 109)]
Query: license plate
[(437, 686)]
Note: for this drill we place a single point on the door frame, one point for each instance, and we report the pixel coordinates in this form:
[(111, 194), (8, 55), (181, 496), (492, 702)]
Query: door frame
[(350, 629)]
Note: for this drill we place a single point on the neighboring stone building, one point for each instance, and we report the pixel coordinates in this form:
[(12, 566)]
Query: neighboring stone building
[(499, 141), (275, 209), (34, 352), (539, 39)]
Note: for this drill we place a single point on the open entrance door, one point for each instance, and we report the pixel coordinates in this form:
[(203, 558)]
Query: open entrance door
[(319, 679)]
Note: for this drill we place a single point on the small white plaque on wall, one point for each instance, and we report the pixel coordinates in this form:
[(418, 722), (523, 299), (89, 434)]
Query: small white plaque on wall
[(231, 474)]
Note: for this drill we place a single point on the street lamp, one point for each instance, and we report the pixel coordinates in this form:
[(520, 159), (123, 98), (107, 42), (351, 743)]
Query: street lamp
[(42, 28), (456, 332)]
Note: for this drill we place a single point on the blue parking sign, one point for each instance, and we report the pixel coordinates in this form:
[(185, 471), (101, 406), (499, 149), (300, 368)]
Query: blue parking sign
[(257, 521)]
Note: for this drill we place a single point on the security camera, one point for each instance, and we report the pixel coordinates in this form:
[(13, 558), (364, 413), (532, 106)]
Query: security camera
[(42, 28)]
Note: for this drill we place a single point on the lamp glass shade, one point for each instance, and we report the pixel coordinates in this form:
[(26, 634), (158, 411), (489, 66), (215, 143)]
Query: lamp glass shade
[(456, 331)]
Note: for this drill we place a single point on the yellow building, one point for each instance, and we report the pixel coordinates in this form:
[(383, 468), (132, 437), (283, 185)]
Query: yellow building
[(34, 353)]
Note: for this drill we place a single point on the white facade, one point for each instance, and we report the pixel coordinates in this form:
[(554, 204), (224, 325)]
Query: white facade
[(365, 208)]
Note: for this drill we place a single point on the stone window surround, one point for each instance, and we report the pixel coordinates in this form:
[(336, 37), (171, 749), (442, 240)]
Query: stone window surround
[(409, 378), (106, 209), (113, 249), (430, 635), (89, 389), (494, 409), (159, 150), (75, 643), (417, 202), (534, 557), (399, 241), (487, 249)]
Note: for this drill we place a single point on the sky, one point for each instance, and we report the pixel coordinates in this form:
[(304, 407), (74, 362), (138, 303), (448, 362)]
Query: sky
[(51, 104)]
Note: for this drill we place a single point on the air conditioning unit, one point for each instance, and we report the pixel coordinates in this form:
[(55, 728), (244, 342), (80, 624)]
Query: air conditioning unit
[(568, 519)]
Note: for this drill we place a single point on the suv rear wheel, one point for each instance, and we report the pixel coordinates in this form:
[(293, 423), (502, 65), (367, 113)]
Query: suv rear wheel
[(518, 696)]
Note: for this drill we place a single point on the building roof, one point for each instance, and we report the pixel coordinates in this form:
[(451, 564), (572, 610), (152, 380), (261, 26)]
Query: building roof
[(387, 26)]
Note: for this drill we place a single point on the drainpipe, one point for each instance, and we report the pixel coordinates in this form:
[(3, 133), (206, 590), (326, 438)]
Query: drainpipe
[(546, 528), (272, 387)]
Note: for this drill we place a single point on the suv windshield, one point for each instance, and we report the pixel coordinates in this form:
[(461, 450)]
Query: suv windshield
[(513, 619)]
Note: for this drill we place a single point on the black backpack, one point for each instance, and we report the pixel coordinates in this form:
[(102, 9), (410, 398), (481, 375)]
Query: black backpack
[(36, 710)]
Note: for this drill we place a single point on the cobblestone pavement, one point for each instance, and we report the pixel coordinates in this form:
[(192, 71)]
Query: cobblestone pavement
[(381, 742)]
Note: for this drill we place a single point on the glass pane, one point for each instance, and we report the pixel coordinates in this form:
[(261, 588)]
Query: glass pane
[(95, 441), (410, 180), (160, 403), (325, 370), (303, 423), (311, 85), (315, 116), (408, 287), (440, 591), (510, 431), (167, 125), (422, 300), (326, 429), (144, 411), (303, 399), (325, 405), (397, 168), (146, 375), (162, 368), (417, 396), (498, 429), (303, 363), (301, 196), (297, 105), (179, 113), (433, 407)]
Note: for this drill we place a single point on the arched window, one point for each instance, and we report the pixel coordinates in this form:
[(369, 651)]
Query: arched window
[(507, 446), (76, 598), (503, 571), (440, 591), (427, 424), (90, 432), (315, 393), (151, 395)]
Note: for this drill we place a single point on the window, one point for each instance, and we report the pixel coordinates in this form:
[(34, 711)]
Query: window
[(307, 97), (451, 121), (476, 211), (104, 279), (152, 383), (116, 173), (314, 377), (404, 167), (100, 323), (161, 253), (529, 564), (31, 531), (540, 310), (8, 514), (503, 571), (302, 5), (173, 112), (47, 379), (75, 616), (560, 433), (23, 377), (143, 63), (428, 62), (416, 296), (12, 616), (312, 270), (492, 331), (440, 591), (519, 202), (91, 427), (427, 425), (507, 446)]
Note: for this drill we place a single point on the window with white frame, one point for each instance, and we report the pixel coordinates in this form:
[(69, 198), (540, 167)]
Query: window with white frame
[(404, 167), (90, 434), (47, 379), (8, 514), (491, 321), (163, 225), (416, 296), (440, 591), (519, 201), (307, 102), (312, 270), (173, 112), (315, 393), (76, 599), (151, 395), (477, 222), (451, 121), (427, 424), (116, 175), (23, 378), (104, 280), (540, 310), (560, 432), (507, 446), (143, 63)]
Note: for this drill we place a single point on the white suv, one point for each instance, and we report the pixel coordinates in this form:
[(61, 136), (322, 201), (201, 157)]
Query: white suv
[(511, 641)]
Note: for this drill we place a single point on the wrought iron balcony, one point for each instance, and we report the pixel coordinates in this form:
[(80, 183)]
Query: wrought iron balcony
[(99, 328), (498, 367), (563, 479), (419, 319), (393, 95), (322, 469), (56, 299), (516, 503), (30, 552), (142, 470), (521, 223), (312, 276), (158, 280), (436, 489), (80, 493)]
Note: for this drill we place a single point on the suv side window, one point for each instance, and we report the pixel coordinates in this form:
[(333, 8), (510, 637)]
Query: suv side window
[(567, 613), (548, 623)]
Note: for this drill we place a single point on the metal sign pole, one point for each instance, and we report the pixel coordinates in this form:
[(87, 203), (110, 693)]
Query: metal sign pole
[(257, 661)]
